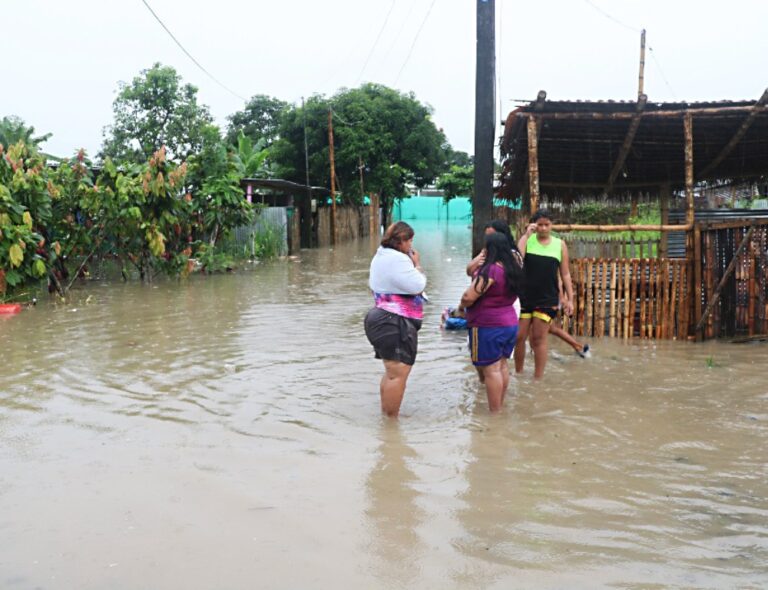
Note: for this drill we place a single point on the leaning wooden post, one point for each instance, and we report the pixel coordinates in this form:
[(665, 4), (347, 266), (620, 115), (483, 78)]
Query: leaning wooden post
[(726, 275), (533, 164)]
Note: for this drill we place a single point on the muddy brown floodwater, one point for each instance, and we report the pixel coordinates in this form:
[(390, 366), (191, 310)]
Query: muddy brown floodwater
[(224, 433)]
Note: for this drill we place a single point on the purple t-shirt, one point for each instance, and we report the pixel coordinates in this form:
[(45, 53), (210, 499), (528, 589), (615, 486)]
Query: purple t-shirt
[(495, 307)]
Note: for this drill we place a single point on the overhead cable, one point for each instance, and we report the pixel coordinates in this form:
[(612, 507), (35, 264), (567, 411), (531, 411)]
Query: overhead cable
[(189, 55), (415, 39), (636, 30), (376, 42)]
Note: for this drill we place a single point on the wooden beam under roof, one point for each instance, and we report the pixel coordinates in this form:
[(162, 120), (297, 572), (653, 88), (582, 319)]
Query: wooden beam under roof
[(737, 137), (642, 100), (670, 114)]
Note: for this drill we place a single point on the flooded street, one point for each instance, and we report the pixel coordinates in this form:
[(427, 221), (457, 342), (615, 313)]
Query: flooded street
[(224, 432)]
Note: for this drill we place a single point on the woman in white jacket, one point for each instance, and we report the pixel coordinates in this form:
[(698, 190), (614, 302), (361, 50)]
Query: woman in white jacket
[(392, 326)]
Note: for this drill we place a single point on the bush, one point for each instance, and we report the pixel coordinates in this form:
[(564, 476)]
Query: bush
[(268, 242)]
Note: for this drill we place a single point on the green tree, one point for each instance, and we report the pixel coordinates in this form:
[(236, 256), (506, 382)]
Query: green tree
[(215, 174), (259, 120), (458, 181), (251, 160), (13, 130), (156, 109), (24, 208), (391, 133)]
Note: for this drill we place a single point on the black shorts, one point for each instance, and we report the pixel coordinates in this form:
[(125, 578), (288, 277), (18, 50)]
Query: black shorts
[(546, 314), (393, 337)]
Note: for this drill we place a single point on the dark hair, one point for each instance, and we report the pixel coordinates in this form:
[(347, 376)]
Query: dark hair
[(501, 227), (396, 234), (541, 214), (497, 250)]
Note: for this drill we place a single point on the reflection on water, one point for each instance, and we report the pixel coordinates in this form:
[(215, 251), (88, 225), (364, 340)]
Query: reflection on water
[(225, 432)]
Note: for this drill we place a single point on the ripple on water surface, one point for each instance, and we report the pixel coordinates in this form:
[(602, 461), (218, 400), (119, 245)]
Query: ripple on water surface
[(241, 412)]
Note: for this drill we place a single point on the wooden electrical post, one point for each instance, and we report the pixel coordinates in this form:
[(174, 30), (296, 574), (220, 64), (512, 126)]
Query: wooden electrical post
[(485, 121), (306, 209), (533, 164), (334, 236)]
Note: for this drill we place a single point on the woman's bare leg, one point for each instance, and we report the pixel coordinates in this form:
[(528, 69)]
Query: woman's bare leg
[(539, 331), (522, 336), (494, 386), (556, 330), (392, 386), (505, 378)]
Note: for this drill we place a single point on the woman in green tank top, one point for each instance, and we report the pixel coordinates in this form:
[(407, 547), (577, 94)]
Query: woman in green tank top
[(545, 257)]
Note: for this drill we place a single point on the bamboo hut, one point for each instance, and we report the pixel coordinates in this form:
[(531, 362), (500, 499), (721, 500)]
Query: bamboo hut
[(596, 150)]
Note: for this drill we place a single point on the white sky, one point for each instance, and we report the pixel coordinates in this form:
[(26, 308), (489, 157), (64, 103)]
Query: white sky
[(62, 61)]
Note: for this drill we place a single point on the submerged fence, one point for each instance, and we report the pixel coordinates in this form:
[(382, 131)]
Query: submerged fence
[(645, 298)]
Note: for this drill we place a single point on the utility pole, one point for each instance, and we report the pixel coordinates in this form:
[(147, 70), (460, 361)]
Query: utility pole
[(306, 210), (360, 168), (485, 120), (334, 239)]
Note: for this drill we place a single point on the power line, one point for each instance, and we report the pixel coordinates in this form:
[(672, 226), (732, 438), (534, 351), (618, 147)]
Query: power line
[(663, 77), (636, 30), (400, 31), (189, 55), (376, 42), (612, 18), (415, 39)]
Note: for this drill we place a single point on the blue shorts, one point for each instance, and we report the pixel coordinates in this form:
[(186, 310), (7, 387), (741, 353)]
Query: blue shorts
[(488, 345)]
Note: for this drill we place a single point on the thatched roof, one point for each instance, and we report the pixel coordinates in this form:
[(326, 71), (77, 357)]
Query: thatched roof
[(588, 148)]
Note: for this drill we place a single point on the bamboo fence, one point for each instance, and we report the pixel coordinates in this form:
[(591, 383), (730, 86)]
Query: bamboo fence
[(630, 297)]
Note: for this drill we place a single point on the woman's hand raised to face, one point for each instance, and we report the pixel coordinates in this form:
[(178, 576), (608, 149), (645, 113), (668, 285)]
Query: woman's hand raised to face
[(416, 257)]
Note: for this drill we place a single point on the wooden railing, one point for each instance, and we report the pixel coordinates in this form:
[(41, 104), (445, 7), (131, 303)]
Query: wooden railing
[(610, 246)]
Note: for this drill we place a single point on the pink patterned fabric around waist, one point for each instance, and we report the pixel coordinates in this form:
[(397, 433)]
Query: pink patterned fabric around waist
[(408, 306)]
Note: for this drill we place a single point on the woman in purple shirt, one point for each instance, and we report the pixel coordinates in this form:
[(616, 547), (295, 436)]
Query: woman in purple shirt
[(491, 317)]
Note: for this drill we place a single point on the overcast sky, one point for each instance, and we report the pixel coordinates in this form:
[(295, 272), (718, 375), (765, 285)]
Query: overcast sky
[(62, 61)]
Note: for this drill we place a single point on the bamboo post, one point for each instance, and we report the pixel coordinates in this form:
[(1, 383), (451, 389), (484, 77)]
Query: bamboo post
[(603, 292), (688, 133), (643, 296), (633, 285), (682, 308), (708, 264), (627, 264), (641, 75), (663, 290), (533, 164), (697, 280), (728, 271), (589, 303), (653, 321), (675, 277), (752, 290), (612, 325), (669, 286)]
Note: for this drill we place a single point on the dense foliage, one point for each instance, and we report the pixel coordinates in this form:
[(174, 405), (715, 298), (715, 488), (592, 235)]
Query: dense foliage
[(167, 186)]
